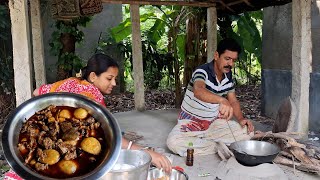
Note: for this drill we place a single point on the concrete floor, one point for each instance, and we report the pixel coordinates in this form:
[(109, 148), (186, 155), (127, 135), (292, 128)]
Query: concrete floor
[(154, 126)]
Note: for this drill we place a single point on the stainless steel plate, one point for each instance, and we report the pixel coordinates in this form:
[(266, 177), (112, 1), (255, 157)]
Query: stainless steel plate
[(10, 135)]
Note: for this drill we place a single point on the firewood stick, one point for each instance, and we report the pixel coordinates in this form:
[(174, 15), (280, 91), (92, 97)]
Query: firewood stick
[(300, 155), (286, 154), (303, 167), (285, 161), (291, 141)]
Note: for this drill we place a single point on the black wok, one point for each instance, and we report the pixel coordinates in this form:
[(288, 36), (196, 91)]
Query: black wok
[(252, 153)]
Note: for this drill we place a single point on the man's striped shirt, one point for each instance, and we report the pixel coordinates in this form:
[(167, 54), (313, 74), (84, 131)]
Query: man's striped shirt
[(195, 109)]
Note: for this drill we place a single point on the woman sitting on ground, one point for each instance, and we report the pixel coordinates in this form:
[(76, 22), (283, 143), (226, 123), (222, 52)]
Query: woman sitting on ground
[(98, 79)]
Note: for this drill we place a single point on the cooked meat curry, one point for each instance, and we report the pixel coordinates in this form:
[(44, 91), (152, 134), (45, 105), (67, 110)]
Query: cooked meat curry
[(62, 142)]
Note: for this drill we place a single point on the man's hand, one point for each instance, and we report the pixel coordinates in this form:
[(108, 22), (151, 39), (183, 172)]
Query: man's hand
[(225, 110), (246, 122)]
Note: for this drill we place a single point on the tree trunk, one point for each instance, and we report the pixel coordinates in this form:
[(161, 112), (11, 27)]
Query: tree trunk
[(190, 50), (68, 42)]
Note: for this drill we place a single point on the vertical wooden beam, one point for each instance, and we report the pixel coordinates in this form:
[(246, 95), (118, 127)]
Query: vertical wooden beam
[(211, 32), (38, 51), (137, 59), (21, 50), (301, 61)]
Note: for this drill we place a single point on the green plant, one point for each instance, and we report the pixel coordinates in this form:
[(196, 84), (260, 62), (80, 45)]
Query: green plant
[(246, 28), (6, 66), (63, 41)]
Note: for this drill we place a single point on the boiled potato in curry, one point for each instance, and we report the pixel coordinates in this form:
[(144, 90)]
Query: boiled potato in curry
[(50, 157), (91, 145), (65, 113), (80, 113), (67, 166), (62, 142)]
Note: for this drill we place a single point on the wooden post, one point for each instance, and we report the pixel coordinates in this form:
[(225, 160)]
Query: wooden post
[(21, 50), (211, 32), (301, 61), (137, 59), (38, 51)]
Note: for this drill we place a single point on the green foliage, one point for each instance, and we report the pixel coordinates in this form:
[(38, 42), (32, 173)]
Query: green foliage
[(181, 46), (246, 29), (157, 62), (5, 22), (68, 60), (122, 31), (164, 42), (6, 64)]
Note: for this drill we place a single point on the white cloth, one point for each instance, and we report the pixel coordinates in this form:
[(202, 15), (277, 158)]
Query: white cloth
[(205, 142)]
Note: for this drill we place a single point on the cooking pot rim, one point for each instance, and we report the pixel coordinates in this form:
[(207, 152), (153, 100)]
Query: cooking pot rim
[(234, 147), (136, 167), (182, 172)]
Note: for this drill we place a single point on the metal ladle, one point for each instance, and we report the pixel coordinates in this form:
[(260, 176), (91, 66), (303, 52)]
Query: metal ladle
[(235, 138)]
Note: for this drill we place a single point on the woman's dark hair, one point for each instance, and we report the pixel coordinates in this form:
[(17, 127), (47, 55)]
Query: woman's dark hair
[(98, 63), (228, 44)]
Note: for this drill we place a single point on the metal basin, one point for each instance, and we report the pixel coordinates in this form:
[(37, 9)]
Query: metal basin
[(157, 174), (27, 109), (252, 153), (131, 164)]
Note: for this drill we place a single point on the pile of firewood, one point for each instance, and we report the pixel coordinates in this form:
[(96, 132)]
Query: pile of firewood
[(304, 157)]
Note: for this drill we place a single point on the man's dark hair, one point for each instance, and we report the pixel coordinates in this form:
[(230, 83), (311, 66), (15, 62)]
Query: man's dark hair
[(228, 44)]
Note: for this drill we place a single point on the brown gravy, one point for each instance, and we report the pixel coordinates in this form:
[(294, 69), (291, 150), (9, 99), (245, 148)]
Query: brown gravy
[(83, 160)]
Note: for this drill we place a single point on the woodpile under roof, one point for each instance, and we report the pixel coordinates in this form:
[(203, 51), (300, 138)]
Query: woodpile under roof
[(223, 6)]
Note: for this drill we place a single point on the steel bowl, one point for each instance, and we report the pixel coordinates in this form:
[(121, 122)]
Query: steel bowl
[(23, 112), (252, 153), (158, 174), (131, 164)]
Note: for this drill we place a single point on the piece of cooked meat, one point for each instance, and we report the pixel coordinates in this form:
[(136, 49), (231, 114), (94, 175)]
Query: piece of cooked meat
[(48, 143), (71, 135), (65, 126), (40, 166)]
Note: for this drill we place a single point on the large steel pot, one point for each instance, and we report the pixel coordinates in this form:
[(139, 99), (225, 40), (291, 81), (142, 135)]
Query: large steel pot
[(156, 173), (252, 153), (131, 165), (27, 109)]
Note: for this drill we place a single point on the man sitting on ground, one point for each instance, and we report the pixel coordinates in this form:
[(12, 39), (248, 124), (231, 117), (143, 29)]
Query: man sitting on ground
[(209, 106)]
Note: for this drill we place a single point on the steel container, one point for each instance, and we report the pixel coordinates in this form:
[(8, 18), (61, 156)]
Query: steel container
[(156, 173), (28, 108), (252, 153), (131, 165)]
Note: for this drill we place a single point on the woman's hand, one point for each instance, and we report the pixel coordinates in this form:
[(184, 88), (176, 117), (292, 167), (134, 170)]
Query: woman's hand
[(160, 161), (248, 123)]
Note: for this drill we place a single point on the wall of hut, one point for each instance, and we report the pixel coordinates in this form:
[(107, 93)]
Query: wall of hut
[(277, 61), (110, 16)]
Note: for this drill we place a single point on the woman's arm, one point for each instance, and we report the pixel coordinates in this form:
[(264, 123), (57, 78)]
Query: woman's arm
[(36, 92)]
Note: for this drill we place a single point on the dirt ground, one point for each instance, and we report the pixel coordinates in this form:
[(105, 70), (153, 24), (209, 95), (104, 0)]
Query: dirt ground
[(248, 95)]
